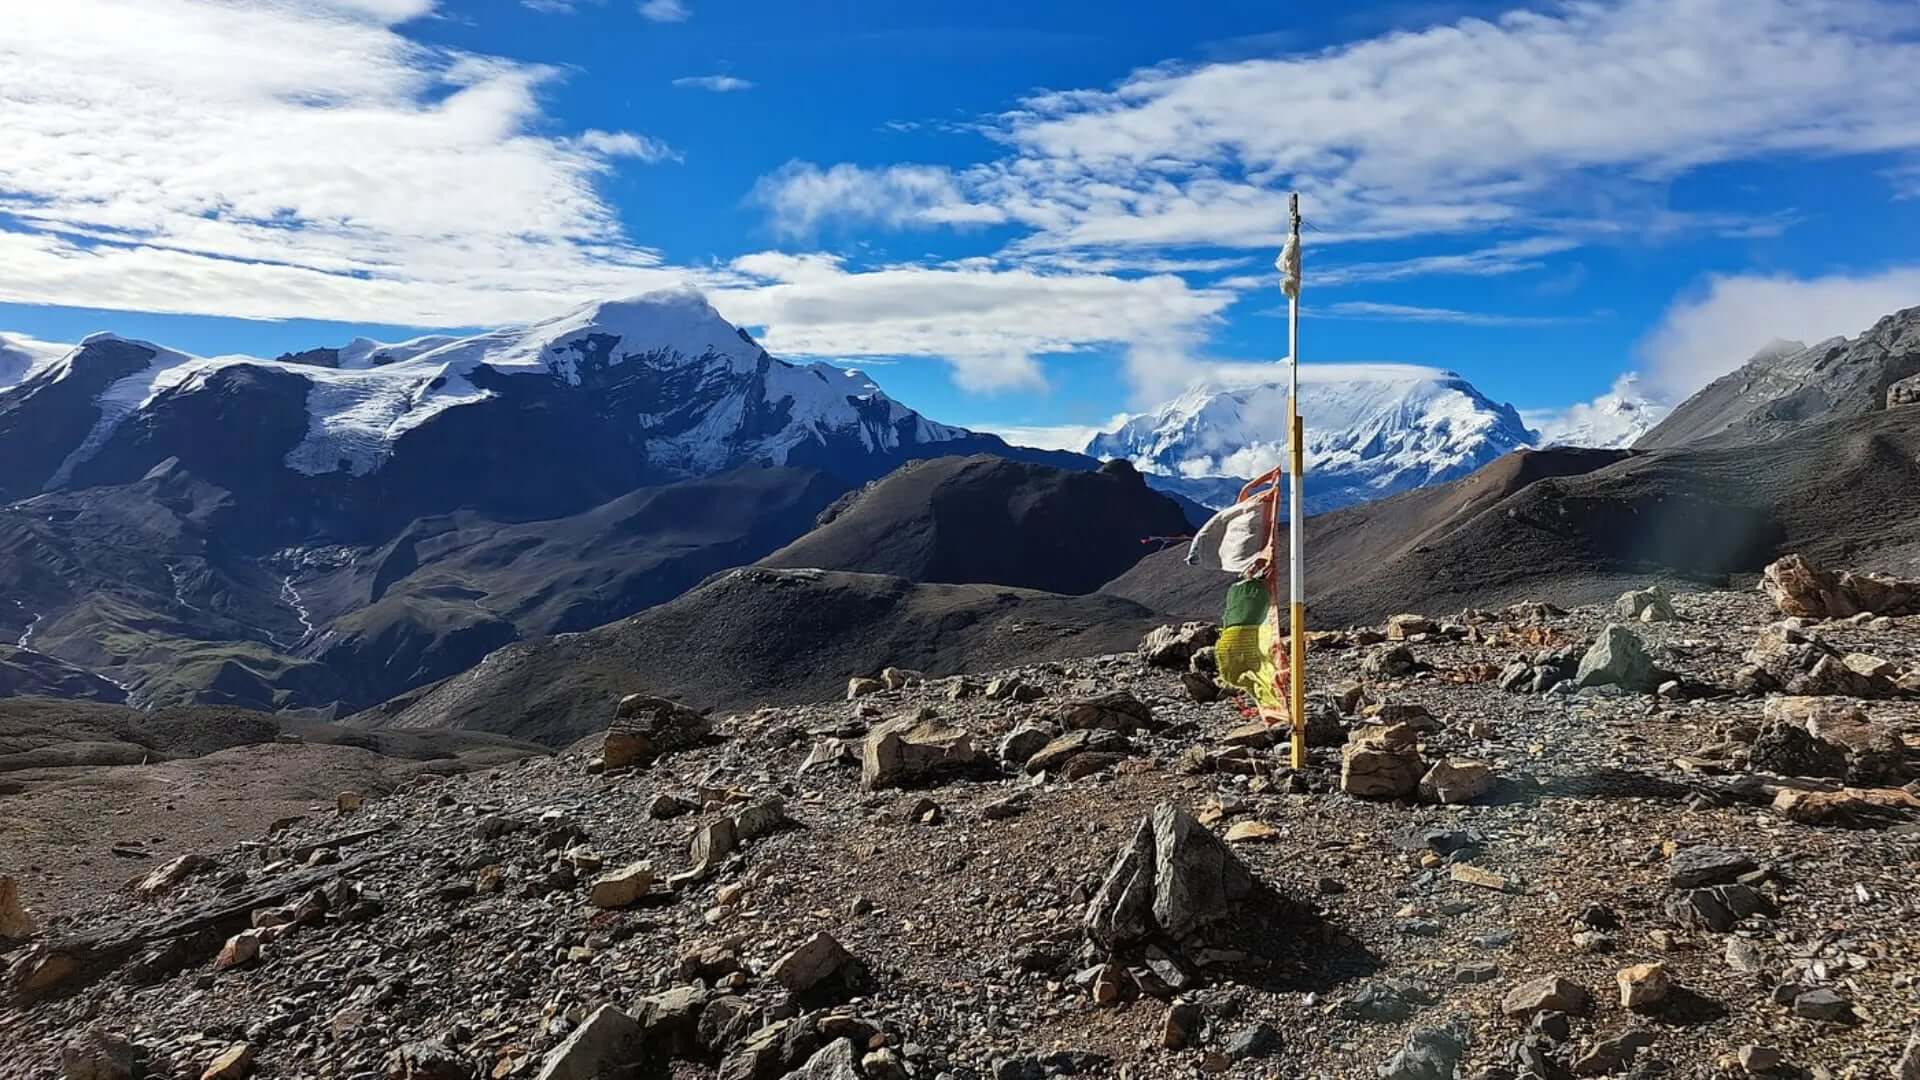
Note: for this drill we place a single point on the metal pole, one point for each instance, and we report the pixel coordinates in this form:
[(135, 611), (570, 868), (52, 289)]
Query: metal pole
[(1296, 510)]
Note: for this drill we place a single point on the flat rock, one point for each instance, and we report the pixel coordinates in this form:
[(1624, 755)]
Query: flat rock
[(608, 1039), (1692, 867), (1548, 993)]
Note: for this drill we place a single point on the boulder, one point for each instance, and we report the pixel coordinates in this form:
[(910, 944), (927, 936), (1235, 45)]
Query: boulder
[(1178, 886), (1058, 753), (621, 888), (1402, 627), (860, 686), (1787, 658), (1382, 763), (1849, 743), (1390, 662), (1797, 587), (241, 950), (1853, 807), (1173, 647), (1617, 658), (1429, 1053), (817, 964), (894, 678), (1201, 688), (759, 818), (1692, 867), (1548, 993), (429, 1059), (1900, 394), (1643, 986), (97, 1054), (1022, 743), (1653, 604), (348, 802), (838, 1060), (1716, 907), (645, 727), (233, 1063), (1456, 780), (1117, 711), (670, 1020), (609, 1039), (712, 842), (916, 748), (16, 922)]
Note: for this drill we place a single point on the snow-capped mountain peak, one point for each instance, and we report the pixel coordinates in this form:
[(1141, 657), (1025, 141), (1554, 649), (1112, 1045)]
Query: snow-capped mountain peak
[(21, 357), (1615, 419), (1372, 430), (641, 389)]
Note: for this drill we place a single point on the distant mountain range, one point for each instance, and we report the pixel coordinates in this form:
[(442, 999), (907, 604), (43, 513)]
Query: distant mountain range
[(1373, 430), (333, 526)]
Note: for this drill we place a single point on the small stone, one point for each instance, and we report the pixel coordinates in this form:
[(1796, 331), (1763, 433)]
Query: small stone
[(164, 879), (1745, 957), (1548, 992), (1822, 1004), (241, 950), (1258, 1041), (16, 923), (668, 805), (1456, 780), (813, 963), (1476, 971), (1179, 1025), (623, 887), (1758, 1060), (1112, 985), (1022, 743), (1468, 874), (1594, 941), (233, 1063), (1643, 986), (1693, 867)]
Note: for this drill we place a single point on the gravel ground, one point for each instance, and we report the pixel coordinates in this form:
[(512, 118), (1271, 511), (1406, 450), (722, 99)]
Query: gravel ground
[(970, 922)]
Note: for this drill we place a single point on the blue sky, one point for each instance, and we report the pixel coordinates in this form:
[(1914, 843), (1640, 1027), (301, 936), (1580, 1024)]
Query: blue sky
[(1019, 216)]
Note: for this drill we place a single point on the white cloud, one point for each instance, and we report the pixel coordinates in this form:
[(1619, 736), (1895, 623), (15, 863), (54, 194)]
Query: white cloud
[(719, 84), (802, 196), (1366, 311), (666, 11), (1702, 337), (1615, 419), (333, 168), (1074, 437), (1563, 122), (990, 324), (623, 144)]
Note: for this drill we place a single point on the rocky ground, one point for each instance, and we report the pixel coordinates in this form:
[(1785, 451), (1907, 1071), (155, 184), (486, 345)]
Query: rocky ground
[(1086, 870)]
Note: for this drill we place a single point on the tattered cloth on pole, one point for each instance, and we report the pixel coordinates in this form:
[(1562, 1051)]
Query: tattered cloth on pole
[(1236, 538), (1246, 652), (1289, 266)]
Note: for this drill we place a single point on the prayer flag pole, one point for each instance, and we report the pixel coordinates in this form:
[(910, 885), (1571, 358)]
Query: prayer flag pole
[(1289, 266)]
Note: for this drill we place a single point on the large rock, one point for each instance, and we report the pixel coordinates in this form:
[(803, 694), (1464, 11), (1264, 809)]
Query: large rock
[(623, 887), (1548, 993), (168, 876), (1866, 752), (1382, 763), (1430, 1053), (16, 923), (1456, 780), (1900, 394), (1390, 662), (1402, 627), (838, 1060), (1617, 658), (429, 1059), (916, 748), (1798, 587), (644, 727), (608, 1040), (1692, 867), (1173, 646), (1784, 657), (233, 1063), (1118, 711), (1178, 886), (1063, 751), (96, 1054), (817, 964), (1652, 604), (1716, 907)]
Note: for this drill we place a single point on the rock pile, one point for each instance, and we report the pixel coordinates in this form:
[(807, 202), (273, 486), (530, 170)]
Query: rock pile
[(1801, 589)]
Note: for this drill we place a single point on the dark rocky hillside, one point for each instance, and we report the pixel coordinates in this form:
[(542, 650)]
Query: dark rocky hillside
[(987, 520)]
